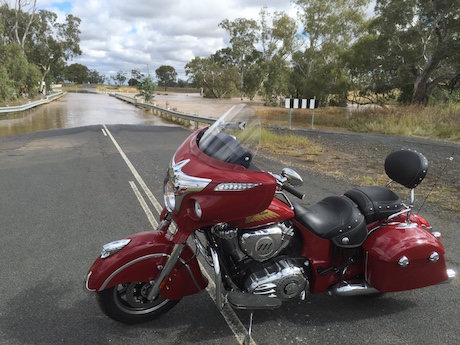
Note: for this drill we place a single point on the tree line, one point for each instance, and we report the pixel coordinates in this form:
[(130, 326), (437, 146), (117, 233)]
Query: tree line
[(409, 50)]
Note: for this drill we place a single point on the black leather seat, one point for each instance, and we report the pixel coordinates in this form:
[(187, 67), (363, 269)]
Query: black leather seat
[(376, 203), (336, 218)]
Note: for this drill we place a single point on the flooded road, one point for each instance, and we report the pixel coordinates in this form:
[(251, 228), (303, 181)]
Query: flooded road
[(75, 110)]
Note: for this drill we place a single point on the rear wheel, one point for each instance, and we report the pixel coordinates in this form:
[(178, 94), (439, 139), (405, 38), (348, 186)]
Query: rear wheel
[(128, 303)]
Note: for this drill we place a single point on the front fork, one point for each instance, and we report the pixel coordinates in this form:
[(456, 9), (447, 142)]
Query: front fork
[(157, 285)]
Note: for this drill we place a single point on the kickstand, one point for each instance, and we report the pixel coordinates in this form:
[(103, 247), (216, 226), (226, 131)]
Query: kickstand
[(247, 340)]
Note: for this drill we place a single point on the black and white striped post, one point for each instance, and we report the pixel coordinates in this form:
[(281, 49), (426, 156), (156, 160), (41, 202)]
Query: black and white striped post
[(301, 104)]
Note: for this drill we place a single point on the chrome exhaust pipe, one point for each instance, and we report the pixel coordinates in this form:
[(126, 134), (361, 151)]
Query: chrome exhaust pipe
[(356, 288)]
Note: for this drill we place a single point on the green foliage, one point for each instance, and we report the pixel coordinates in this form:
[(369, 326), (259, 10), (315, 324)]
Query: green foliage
[(95, 78), (7, 90), (119, 78), (77, 73), (52, 42), (216, 75), (329, 28), (418, 43), (146, 89), (32, 80), (166, 76)]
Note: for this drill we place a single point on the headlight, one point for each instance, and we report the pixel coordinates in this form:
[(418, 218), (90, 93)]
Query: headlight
[(113, 247), (169, 196)]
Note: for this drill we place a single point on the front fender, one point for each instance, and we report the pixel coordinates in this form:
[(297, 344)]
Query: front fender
[(141, 260)]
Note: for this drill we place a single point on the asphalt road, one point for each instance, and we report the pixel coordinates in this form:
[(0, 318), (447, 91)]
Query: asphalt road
[(64, 193)]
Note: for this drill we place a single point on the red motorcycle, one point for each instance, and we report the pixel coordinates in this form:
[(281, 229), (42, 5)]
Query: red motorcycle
[(265, 248)]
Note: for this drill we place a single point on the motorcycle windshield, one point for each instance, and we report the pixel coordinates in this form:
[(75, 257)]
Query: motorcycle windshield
[(234, 138)]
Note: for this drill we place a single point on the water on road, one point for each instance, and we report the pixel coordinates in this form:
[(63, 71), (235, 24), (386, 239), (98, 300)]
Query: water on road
[(75, 110)]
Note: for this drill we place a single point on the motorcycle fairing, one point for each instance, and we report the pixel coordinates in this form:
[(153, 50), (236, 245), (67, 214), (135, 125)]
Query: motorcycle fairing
[(141, 260), (278, 211), (211, 200)]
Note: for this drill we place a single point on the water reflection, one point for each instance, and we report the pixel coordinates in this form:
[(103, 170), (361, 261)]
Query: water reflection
[(75, 110)]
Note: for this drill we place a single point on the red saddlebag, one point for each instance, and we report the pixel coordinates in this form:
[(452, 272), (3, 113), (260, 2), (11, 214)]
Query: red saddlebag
[(403, 257)]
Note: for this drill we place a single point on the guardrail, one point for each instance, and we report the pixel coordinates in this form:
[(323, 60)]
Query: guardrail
[(166, 113), (27, 106)]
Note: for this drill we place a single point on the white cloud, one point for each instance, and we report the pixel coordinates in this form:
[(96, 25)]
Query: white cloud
[(125, 35)]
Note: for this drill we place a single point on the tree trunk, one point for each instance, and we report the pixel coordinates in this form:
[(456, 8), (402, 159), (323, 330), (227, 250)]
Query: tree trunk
[(421, 85), (44, 71)]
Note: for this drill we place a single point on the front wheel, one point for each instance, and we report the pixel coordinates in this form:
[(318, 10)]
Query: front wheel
[(128, 303)]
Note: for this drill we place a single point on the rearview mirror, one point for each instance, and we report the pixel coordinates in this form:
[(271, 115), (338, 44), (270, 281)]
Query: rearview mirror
[(292, 177)]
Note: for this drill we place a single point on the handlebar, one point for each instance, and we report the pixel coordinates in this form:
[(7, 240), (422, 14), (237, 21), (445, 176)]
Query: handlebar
[(293, 191)]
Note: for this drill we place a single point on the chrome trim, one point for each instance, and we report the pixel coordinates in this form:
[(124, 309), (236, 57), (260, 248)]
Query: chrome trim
[(359, 288), (407, 226), (87, 281), (403, 262), (113, 247), (202, 249), (436, 234), (398, 213), (218, 280), (293, 178), (433, 257), (135, 261), (183, 183), (451, 275)]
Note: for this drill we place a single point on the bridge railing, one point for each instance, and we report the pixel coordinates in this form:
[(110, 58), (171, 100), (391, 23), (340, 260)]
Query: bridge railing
[(27, 106), (166, 113)]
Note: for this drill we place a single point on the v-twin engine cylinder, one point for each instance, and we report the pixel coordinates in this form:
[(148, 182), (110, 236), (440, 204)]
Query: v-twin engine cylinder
[(266, 243)]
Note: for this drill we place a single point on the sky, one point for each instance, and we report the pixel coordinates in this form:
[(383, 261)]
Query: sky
[(122, 35), (125, 35)]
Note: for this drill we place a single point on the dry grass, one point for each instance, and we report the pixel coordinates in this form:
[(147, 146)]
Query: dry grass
[(435, 122), (292, 145)]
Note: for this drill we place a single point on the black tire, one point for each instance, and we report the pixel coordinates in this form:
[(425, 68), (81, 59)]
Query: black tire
[(128, 303)]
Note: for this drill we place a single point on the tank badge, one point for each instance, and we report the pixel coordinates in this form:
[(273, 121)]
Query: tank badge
[(262, 216)]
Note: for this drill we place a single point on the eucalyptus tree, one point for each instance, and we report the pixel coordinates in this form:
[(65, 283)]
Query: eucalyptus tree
[(94, 77), (77, 73), (419, 45), (119, 78), (329, 28), (215, 74), (18, 20), (166, 76), (243, 38), (51, 42), (278, 40)]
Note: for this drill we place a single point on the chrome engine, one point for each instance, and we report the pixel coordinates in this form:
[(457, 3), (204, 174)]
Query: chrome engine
[(281, 279), (264, 244), (255, 253)]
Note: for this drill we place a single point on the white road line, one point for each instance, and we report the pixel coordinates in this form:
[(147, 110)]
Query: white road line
[(104, 132), (138, 177), (144, 205), (232, 320)]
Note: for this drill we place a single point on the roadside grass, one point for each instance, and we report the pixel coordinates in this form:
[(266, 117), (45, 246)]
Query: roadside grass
[(292, 145), (435, 122)]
